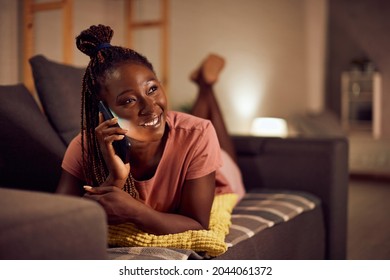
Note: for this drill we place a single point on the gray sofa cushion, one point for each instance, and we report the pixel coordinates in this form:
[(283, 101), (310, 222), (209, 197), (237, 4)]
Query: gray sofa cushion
[(265, 212), (261, 210), (59, 89), (301, 238), (27, 137), (50, 227)]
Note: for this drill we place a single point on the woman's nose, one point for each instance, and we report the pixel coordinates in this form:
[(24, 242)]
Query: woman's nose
[(147, 106)]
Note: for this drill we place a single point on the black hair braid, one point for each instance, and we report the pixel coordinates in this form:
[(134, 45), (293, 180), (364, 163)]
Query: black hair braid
[(89, 40)]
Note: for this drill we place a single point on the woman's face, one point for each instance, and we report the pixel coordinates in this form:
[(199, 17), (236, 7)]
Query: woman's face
[(136, 97)]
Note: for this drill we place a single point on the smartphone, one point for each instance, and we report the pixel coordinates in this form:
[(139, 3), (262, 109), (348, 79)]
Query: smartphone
[(121, 147)]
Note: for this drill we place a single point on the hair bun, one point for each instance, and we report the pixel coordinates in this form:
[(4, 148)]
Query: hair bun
[(90, 39)]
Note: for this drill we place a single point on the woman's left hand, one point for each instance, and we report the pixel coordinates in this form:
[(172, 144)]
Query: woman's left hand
[(118, 204)]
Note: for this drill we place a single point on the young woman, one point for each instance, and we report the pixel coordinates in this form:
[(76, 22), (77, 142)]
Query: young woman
[(175, 162)]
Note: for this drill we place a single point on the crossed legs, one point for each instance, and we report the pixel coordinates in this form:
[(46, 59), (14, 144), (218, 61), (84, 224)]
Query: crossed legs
[(206, 105)]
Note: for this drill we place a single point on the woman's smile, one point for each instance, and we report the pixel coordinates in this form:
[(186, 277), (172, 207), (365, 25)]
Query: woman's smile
[(154, 122)]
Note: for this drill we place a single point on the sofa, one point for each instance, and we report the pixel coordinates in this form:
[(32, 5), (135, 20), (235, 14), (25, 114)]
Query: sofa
[(295, 206)]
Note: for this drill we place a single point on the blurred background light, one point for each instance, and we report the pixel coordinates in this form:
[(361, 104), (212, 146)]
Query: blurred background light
[(271, 127)]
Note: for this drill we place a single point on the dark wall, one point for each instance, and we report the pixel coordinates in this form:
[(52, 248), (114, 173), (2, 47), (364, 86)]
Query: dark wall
[(358, 29)]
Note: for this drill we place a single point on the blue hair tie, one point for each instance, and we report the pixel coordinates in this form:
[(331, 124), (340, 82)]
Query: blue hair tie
[(102, 46)]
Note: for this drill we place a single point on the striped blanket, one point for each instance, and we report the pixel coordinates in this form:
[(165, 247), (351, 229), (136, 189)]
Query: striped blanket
[(256, 212)]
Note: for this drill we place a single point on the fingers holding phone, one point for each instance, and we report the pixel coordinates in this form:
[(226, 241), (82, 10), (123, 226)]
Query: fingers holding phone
[(114, 145), (110, 131), (122, 145)]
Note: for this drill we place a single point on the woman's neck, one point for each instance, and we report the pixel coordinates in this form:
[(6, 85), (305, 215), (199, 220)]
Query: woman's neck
[(146, 156)]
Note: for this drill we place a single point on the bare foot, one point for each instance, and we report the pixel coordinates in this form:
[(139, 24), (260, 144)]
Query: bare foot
[(209, 70)]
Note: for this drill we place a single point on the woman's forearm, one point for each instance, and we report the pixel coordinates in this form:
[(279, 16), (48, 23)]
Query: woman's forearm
[(155, 222)]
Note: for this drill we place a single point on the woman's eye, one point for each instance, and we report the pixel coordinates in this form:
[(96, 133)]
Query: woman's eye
[(128, 101), (152, 89)]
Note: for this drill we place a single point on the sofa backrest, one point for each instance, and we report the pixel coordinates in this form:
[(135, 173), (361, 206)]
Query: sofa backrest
[(30, 150)]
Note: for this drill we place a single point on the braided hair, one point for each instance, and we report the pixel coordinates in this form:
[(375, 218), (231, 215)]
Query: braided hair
[(95, 42)]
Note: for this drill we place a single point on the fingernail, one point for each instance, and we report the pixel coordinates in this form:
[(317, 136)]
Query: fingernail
[(87, 188)]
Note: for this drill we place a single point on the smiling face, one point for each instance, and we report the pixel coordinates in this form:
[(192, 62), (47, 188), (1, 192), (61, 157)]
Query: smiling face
[(134, 94)]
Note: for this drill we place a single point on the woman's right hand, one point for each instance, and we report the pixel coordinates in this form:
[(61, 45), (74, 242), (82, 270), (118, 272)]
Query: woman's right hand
[(106, 134)]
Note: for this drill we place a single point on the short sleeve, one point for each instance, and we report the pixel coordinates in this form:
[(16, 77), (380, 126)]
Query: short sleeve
[(73, 159), (206, 157)]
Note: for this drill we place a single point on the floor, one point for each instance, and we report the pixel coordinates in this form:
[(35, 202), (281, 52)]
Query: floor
[(369, 220)]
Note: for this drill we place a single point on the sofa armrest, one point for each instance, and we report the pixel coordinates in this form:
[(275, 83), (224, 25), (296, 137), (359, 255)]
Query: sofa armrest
[(315, 165), (38, 225)]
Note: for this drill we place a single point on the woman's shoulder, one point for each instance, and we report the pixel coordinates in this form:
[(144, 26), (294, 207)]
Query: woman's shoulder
[(74, 146), (179, 120), (76, 140), (188, 129)]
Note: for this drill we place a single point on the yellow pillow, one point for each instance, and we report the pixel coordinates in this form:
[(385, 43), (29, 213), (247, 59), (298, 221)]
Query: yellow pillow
[(211, 241)]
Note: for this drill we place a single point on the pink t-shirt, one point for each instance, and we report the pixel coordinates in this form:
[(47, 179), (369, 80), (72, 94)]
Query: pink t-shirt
[(192, 151)]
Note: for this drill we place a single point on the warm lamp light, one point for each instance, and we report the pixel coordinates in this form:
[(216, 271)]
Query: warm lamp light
[(271, 127)]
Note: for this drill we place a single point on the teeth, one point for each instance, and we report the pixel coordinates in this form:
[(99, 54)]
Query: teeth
[(152, 123)]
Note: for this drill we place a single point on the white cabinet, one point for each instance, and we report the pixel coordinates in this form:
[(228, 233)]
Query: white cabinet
[(361, 93)]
